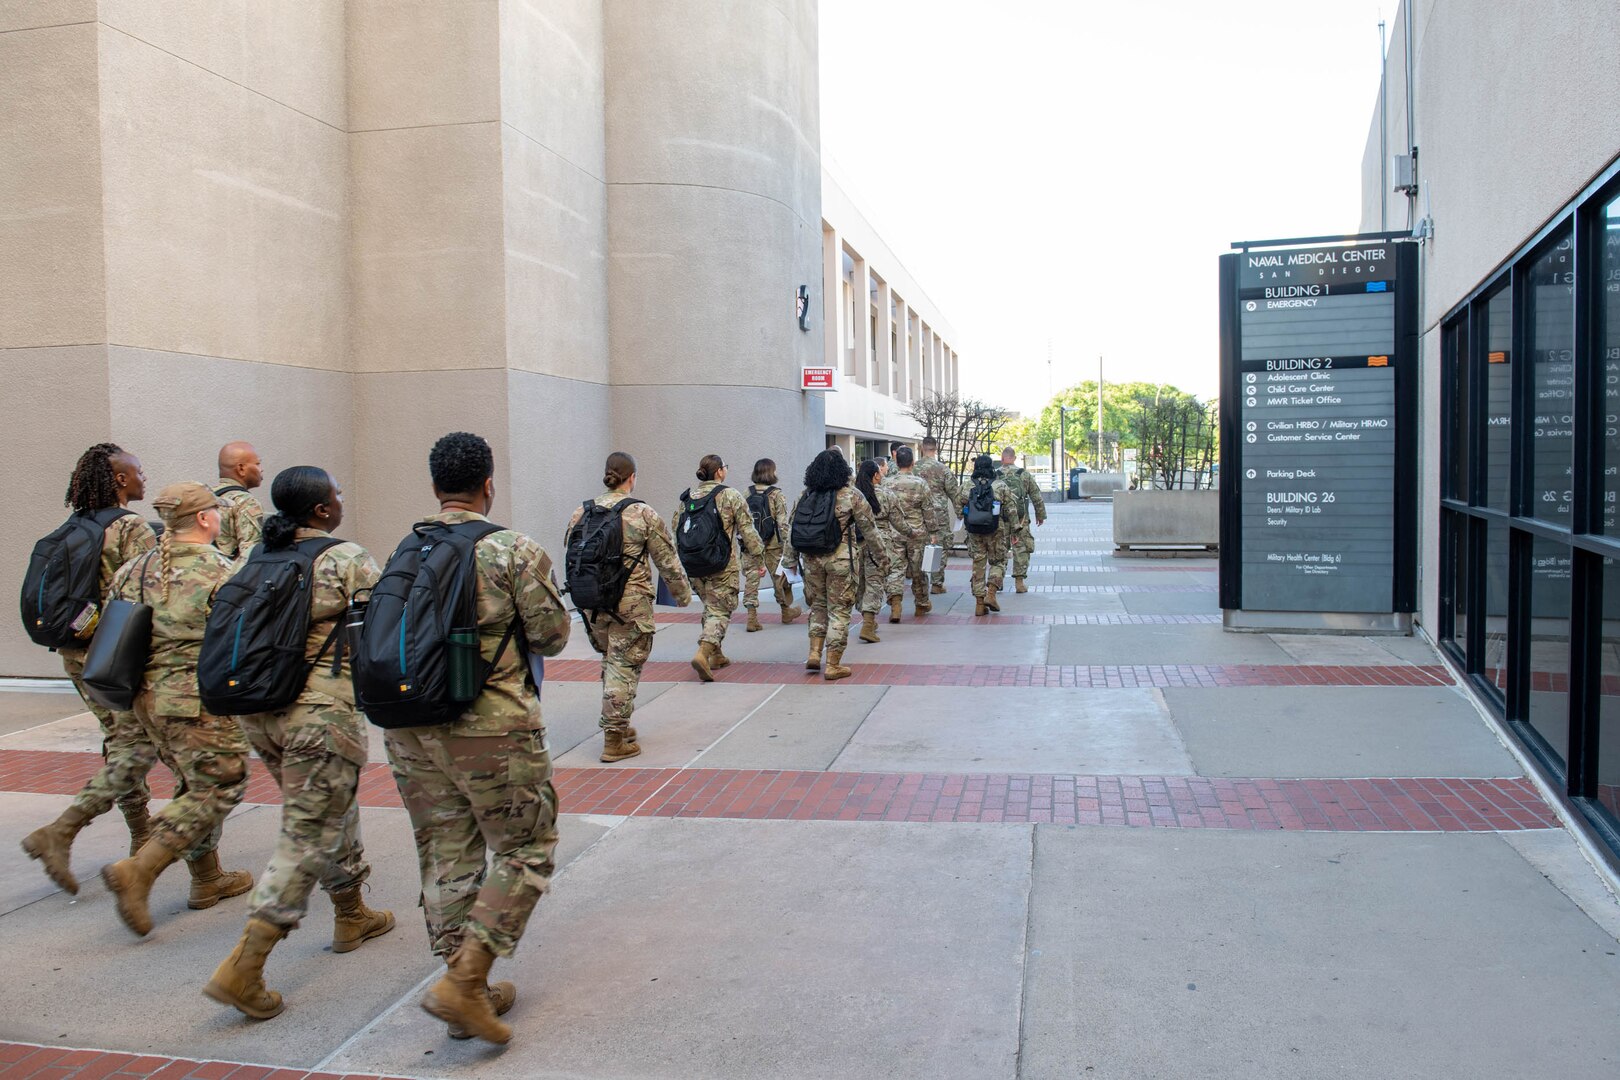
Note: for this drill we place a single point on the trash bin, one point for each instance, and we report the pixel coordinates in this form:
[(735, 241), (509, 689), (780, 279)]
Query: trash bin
[(1074, 482)]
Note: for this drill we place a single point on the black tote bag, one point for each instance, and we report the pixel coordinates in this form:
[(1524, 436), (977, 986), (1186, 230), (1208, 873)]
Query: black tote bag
[(115, 665)]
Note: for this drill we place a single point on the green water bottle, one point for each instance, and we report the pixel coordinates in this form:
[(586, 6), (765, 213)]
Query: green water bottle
[(464, 664)]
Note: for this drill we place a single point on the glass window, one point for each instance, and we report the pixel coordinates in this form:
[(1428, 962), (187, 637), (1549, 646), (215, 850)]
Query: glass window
[(1608, 309), (1549, 643), (1494, 663), (1457, 551), (1498, 396), (1456, 359), (1550, 330), (1608, 747)]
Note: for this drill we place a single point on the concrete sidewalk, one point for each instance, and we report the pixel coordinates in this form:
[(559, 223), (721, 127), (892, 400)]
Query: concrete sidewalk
[(1228, 855)]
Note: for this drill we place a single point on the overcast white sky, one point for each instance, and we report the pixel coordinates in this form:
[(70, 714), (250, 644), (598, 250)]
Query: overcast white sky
[(1069, 171)]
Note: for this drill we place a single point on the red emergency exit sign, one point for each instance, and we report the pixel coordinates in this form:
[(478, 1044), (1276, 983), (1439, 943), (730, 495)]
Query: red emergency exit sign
[(817, 378)]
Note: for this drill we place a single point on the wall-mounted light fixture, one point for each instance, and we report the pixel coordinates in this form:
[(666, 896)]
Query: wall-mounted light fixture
[(804, 307)]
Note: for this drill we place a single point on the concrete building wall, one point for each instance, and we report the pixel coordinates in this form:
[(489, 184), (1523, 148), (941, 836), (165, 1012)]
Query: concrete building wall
[(1516, 109), (714, 220)]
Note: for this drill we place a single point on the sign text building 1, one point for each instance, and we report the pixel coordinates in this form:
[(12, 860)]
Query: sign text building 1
[(1318, 436)]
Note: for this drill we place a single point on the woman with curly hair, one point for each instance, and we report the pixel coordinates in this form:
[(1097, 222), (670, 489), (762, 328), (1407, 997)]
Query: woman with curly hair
[(828, 557), (105, 481)]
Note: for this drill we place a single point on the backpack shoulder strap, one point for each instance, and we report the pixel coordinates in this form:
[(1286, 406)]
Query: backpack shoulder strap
[(624, 504), (109, 514), (221, 492)]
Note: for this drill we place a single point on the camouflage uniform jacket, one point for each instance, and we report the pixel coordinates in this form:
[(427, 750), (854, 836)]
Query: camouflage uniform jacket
[(341, 571), (1011, 519), (241, 523), (735, 518), (196, 571), (514, 580), (892, 522), (942, 482), (646, 540), (778, 504), (856, 517), (126, 538), (1025, 490), (913, 502)]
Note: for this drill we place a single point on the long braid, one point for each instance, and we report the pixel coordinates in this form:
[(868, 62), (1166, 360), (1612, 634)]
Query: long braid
[(94, 485)]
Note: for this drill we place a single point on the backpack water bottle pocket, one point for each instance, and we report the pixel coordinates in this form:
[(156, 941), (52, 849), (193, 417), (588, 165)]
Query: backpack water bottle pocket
[(465, 667)]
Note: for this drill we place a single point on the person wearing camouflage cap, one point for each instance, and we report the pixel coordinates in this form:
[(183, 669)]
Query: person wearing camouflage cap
[(207, 754), (315, 749), (478, 790)]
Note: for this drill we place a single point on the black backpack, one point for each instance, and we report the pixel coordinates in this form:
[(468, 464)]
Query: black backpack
[(816, 528), (701, 539), (61, 592), (593, 567), (980, 516), (759, 505), (402, 667), (252, 658)]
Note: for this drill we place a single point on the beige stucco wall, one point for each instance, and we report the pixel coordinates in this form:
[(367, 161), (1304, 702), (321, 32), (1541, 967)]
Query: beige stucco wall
[(341, 229), (1517, 108)]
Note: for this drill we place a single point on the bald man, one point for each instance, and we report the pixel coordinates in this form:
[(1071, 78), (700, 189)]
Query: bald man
[(240, 471)]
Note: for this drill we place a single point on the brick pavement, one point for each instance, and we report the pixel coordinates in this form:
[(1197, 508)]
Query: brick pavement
[(28, 1061)]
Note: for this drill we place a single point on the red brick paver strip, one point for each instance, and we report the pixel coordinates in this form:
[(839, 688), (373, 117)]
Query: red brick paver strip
[(1390, 804), (27, 1061), (769, 616), (1096, 676)]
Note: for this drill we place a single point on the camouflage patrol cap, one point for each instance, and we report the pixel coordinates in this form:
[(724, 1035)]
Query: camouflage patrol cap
[(179, 501)]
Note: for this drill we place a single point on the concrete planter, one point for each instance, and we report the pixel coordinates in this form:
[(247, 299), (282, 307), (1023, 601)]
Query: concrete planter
[(1162, 522)]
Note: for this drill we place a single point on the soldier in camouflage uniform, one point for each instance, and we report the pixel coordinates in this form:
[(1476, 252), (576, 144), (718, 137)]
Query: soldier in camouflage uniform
[(755, 568), (914, 504), (946, 491), (829, 577), (1025, 492), (315, 749), (625, 637), (478, 791), (718, 591), (875, 585), (989, 552), (106, 476), (207, 754), (242, 519)]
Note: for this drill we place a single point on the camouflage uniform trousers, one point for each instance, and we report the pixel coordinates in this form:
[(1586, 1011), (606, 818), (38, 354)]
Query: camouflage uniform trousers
[(752, 578), (905, 563), (208, 756), (1019, 556), (989, 555), (127, 755), (829, 589), (485, 816), (624, 648), (940, 529), (874, 587), (320, 818), (719, 595)]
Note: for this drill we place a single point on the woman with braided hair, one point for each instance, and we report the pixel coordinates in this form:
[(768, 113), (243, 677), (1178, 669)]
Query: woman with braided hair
[(876, 588), (207, 754), (105, 481)]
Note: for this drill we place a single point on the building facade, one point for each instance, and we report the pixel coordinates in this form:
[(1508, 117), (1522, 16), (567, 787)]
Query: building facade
[(1514, 114), (882, 334), (341, 229)]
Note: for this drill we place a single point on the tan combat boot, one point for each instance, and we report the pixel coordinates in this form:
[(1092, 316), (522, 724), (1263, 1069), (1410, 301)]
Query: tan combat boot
[(130, 881), (813, 661), (922, 603), (239, 979), (894, 609), (790, 613), (719, 660), (53, 845), (617, 745), (869, 632), (1021, 586), (502, 996), (462, 997), (832, 671), (354, 924), (990, 598), (210, 884), (753, 621), (979, 608), (139, 820), (700, 662), (937, 590)]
